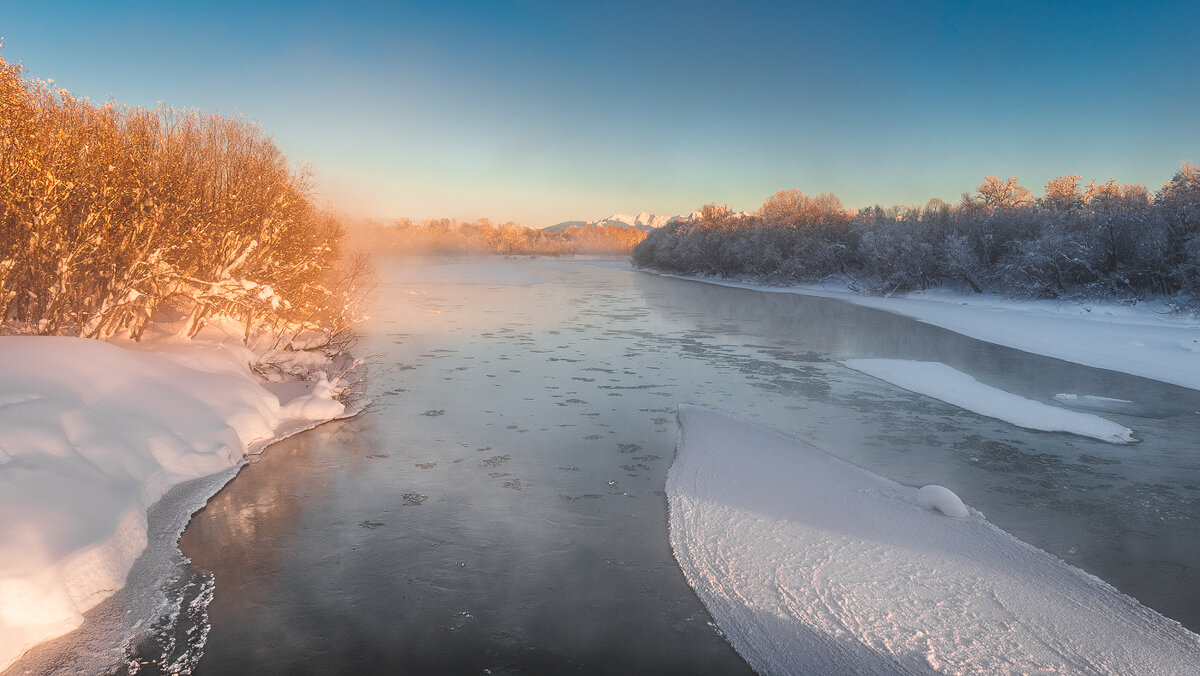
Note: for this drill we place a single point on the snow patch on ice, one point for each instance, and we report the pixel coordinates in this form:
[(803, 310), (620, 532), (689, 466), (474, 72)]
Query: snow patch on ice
[(812, 565), (937, 380), (92, 435)]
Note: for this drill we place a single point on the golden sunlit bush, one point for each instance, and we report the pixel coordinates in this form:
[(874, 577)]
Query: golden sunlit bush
[(112, 215)]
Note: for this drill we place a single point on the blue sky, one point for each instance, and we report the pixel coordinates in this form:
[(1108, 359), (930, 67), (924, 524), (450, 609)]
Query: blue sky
[(540, 112)]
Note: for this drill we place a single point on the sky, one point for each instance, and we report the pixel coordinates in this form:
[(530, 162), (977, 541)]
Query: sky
[(542, 112)]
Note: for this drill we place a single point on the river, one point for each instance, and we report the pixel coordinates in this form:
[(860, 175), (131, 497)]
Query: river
[(500, 506)]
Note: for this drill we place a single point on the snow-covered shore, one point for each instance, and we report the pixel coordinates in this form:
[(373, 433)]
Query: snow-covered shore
[(812, 565), (1142, 340), (92, 434)]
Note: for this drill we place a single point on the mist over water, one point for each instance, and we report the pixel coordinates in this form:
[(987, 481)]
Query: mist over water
[(500, 506)]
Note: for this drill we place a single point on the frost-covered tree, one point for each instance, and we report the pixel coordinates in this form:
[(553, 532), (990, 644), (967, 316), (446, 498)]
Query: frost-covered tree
[(1098, 191), (1107, 240), (1063, 192), (1006, 194), (793, 209), (1178, 206)]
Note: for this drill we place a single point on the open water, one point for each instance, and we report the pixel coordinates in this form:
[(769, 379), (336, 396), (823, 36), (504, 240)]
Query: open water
[(500, 508)]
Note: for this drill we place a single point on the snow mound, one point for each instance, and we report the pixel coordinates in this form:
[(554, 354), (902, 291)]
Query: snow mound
[(937, 380), (812, 565), (91, 435), (318, 404), (943, 500)]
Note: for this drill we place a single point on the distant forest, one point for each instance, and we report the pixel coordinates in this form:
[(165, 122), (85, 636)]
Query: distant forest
[(1097, 240), (447, 237)]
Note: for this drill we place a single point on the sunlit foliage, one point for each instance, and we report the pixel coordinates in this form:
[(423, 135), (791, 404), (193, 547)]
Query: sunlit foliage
[(112, 216)]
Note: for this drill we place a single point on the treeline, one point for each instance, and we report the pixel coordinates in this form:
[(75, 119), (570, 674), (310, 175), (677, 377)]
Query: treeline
[(1101, 240), (448, 237), (112, 217)]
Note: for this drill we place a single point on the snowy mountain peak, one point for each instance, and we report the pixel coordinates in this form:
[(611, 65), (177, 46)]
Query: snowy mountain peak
[(643, 221)]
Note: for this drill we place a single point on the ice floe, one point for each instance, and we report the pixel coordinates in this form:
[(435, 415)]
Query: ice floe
[(937, 380)]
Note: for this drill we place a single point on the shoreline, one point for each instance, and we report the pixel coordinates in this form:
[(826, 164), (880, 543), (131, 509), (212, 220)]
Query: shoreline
[(89, 420), (1136, 340), (139, 611)]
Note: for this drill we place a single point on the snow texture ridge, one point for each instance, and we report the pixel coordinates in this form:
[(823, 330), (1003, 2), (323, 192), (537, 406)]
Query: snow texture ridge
[(92, 435), (812, 565), (937, 380)]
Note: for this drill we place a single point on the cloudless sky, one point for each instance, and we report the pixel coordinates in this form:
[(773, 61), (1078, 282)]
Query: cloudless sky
[(541, 112)]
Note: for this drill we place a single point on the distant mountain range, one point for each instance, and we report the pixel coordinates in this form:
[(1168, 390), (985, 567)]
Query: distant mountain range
[(643, 221)]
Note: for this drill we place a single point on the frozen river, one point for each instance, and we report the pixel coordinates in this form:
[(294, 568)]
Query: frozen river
[(500, 507)]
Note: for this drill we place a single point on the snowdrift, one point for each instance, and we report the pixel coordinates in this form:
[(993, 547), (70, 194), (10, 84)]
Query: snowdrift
[(91, 435), (812, 565)]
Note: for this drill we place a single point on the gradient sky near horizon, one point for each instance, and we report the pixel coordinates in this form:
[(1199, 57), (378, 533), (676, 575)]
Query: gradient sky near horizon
[(541, 112)]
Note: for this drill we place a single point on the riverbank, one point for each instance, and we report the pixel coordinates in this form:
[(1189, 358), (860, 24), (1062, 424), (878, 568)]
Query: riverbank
[(93, 434), (1146, 339)]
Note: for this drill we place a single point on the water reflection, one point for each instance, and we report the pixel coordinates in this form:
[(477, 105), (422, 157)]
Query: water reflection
[(245, 532)]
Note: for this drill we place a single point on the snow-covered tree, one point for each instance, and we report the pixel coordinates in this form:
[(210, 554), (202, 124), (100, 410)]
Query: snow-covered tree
[(1103, 240), (1006, 194), (1178, 206), (1063, 192)]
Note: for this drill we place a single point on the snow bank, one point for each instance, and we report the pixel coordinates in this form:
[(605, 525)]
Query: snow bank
[(91, 435), (935, 379), (812, 565), (1141, 340)]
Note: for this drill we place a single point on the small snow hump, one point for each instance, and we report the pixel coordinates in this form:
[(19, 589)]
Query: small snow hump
[(943, 500)]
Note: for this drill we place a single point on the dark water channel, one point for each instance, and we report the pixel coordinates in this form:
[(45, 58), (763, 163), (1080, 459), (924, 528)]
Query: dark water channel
[(499, 509)]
